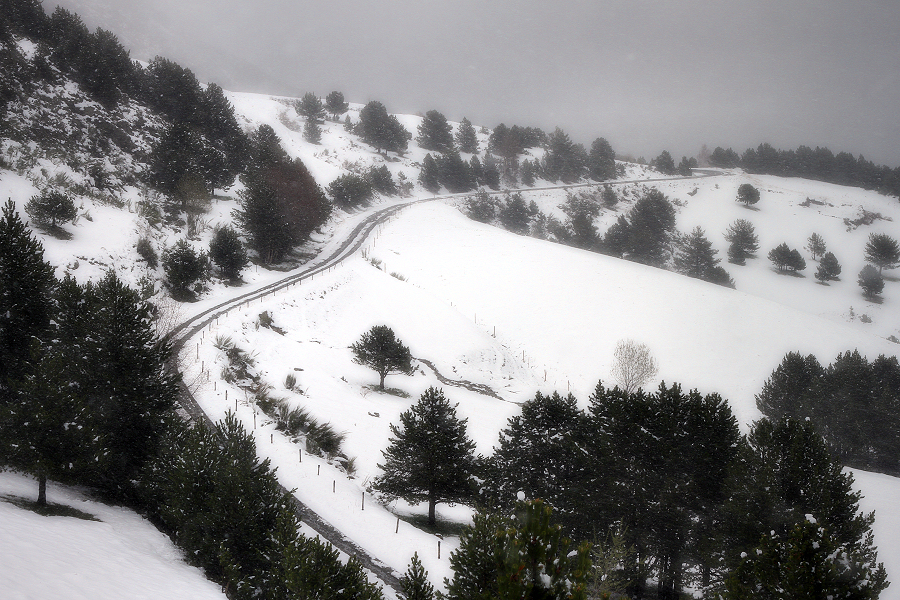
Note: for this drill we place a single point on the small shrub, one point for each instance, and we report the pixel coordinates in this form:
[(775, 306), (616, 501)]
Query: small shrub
[(396, 275), (375, 262), (865, 318), (228, 253), (146, 251), (265, 320), (184, 267), (51, 208), (290, 381)]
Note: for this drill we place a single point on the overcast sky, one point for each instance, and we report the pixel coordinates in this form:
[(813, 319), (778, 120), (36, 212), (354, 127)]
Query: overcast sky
[(647, 75)]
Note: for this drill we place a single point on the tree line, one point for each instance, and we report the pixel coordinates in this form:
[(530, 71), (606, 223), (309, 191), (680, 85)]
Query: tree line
[(817, 163), (687, 499)]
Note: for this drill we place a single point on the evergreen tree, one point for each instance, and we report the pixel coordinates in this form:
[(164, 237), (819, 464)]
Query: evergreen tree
[(685, 166), (786, 259), (514, 214), (610, 199), (791, 389), (474, 563), (667, 455), (806, 562), (50, 207), (430, 457), (381, 180), (350, 191), (227, 252), (871, 282), (601, 161), (829, 268), (816, 245), (491, 174), (380, 350), (480, 207), (335, 104), (582, 211), (563, 161), (312, 132), (883, 251), (223, 133), (466, 138), (651, 222), (534, 560), (528, 169), (726, 159), (381, 130), (784, 473), (179, 155), (310, 107), (454, 173), (744, 241), (664, 163), (183, 267), (26, 285), (747, 194), (538, 454), (694, 255), (174, 91), (435, 133), (415, 582), (429, 176), (281, 204)]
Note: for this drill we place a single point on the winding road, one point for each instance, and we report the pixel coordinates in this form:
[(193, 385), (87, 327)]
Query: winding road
[(351, 244)]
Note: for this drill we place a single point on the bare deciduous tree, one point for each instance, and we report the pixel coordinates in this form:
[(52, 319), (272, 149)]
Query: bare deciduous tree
[(633, 365)]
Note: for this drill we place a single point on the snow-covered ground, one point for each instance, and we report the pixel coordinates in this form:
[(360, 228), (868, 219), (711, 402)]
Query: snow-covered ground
[(514, 313), (556, 312), (116, 555)]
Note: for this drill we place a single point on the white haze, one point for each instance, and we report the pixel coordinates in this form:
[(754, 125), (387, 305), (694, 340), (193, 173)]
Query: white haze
[(646, 74)]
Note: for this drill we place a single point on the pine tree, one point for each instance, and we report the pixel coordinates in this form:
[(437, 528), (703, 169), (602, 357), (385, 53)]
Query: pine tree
[(429, 457), (816, 245), (527, 173), (415, 582), (381, 180), (474, 562), (335, 104), (466, 138), (870, 281), (50, 207), (686, 165), (786, 475), (564, 161), (829, 268), (610, 199), (312, 132), (310, 107), (514, 214), (26, 285), (380, 350), (184, 267), (454, 173), (883, 251), (350, 191), (491, 174), (435, 133), (664, 163), (538, 454), (744, 241), (227, 252), (786, 259), (602, 161), (747, 194), (381, 130), (651, 222), (429, 176), (535, 561), (694, 255), (480, 207)]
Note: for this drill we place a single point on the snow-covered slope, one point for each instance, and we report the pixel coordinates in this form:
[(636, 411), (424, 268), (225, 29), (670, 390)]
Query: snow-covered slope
[(116, 555), (513, 313), (556, 312)]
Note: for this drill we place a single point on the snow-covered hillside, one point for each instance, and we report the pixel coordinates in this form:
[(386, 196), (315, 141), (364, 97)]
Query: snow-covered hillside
[(483, 305), (106, 553)]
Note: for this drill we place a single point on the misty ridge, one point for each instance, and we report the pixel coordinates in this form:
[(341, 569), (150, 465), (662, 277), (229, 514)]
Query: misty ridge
[(633, 487)]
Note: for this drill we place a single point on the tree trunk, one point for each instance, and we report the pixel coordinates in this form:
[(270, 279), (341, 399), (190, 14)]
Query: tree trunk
[(381, 385), (432, 520), (42, 489)]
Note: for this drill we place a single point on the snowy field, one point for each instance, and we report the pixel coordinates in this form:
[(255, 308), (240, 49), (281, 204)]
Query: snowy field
[(117, 555), (483, 305), (556, 312)]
